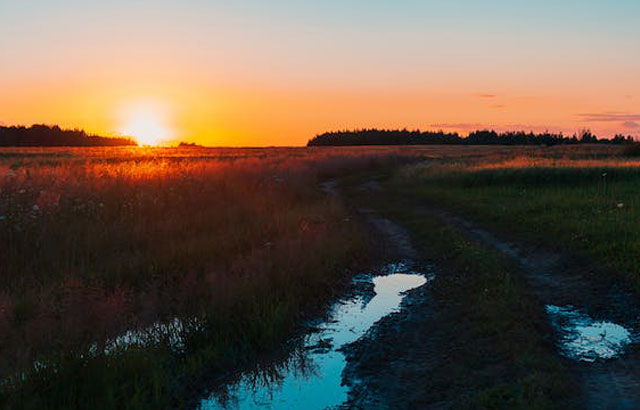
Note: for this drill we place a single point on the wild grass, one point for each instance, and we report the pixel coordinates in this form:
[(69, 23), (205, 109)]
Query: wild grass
[(95, 242), (585, 202), (496, 328), (493, 350), (239, 243)]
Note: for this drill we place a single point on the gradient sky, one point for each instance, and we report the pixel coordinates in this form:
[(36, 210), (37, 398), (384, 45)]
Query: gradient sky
[(256, 72)]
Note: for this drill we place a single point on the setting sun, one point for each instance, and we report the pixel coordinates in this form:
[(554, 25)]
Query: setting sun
[(146, 123)]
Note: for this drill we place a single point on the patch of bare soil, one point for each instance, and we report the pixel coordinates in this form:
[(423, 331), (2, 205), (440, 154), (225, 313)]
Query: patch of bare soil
[(396, 344), (391, 367)]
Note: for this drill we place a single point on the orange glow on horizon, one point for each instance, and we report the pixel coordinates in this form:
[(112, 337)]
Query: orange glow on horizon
[(250, 73), (237, 117), (146, 122)]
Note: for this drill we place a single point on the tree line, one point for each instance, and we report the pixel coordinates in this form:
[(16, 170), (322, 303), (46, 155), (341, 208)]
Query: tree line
[(53, 136), (375, 136)]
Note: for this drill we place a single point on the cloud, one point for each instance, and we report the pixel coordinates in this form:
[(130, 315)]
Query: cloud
[(630, 124), (610, 116), (629, 97), (498, 106), (484, 95)]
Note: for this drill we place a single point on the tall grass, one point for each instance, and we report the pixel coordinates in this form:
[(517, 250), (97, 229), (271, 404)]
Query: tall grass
[(96, 242), (585, 202)]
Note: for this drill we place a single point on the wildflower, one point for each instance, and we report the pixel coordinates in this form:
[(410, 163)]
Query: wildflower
[(604, 174), (35, 208), (620, 205)]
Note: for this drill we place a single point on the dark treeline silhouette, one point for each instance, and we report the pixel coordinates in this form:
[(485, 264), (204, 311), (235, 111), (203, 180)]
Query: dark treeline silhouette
[(482, 137), (54, 136), (189, 145)]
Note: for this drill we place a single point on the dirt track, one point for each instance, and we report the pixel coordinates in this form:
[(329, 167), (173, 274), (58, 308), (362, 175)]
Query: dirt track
[(565, 280), (390, 367)]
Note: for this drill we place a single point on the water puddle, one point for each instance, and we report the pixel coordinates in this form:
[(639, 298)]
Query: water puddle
[(586, 339), (315, 380)]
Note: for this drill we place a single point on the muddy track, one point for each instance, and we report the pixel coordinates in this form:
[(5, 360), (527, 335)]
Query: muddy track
[(407, 358), (398, 347), (559, 279), (394, 238)]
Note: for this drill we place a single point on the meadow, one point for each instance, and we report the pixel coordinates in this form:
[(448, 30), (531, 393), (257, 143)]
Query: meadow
[(580, 199), (484, 325), (131, 277), (212, 256)]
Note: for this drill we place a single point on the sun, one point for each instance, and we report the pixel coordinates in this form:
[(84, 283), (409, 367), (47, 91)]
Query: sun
[(146, 123)]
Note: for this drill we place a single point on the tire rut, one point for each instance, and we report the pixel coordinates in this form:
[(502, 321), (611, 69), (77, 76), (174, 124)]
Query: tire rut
[(559, 279)]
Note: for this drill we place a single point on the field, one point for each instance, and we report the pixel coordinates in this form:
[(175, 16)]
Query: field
[(237, 244), (207, 260), (585, 200)]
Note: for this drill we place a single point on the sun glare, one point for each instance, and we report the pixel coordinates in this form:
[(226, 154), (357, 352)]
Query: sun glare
[(147, 124)]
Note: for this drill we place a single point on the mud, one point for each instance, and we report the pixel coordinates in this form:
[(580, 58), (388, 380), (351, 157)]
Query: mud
[(318, 383), (569, 282), (598, 335), (594, 322)]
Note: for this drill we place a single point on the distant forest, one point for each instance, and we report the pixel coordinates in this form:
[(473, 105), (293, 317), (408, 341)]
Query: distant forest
[(54, 136), (483, 137)]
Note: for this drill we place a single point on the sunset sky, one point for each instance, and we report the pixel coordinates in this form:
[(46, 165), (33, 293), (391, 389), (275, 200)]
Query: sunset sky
[(256, 72)]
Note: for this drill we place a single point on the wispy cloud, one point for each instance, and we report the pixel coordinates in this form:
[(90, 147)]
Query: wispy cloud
[(610, 116), (631, 124), (498, 106), (484, 95)]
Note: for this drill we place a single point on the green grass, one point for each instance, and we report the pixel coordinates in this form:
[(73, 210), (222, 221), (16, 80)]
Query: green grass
[(96, 242), (244, 241), (589, 210), (494, 332)]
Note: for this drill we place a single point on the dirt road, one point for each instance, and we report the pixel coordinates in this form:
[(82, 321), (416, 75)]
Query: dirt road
[(398, 365)]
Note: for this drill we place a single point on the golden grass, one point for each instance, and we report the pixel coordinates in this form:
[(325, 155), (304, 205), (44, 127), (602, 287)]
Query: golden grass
[(96, 241)]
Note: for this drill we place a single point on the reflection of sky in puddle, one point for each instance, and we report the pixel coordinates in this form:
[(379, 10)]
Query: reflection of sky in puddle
[(585, 339), (321, 386)]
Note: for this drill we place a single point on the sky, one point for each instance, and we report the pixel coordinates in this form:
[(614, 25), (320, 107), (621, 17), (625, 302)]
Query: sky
[(278, 72)]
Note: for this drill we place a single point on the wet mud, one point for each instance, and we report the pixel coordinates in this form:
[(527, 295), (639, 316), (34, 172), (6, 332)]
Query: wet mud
[(595, 314)]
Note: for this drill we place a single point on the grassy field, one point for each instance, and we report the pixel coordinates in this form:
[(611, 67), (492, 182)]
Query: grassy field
[(488, 344), (220, 253), (581, 199), (494, 344), (222, 250), (490, 325)]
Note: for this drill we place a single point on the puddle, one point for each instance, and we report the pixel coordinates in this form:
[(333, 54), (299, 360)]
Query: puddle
[(586, 339), (315, 381)]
